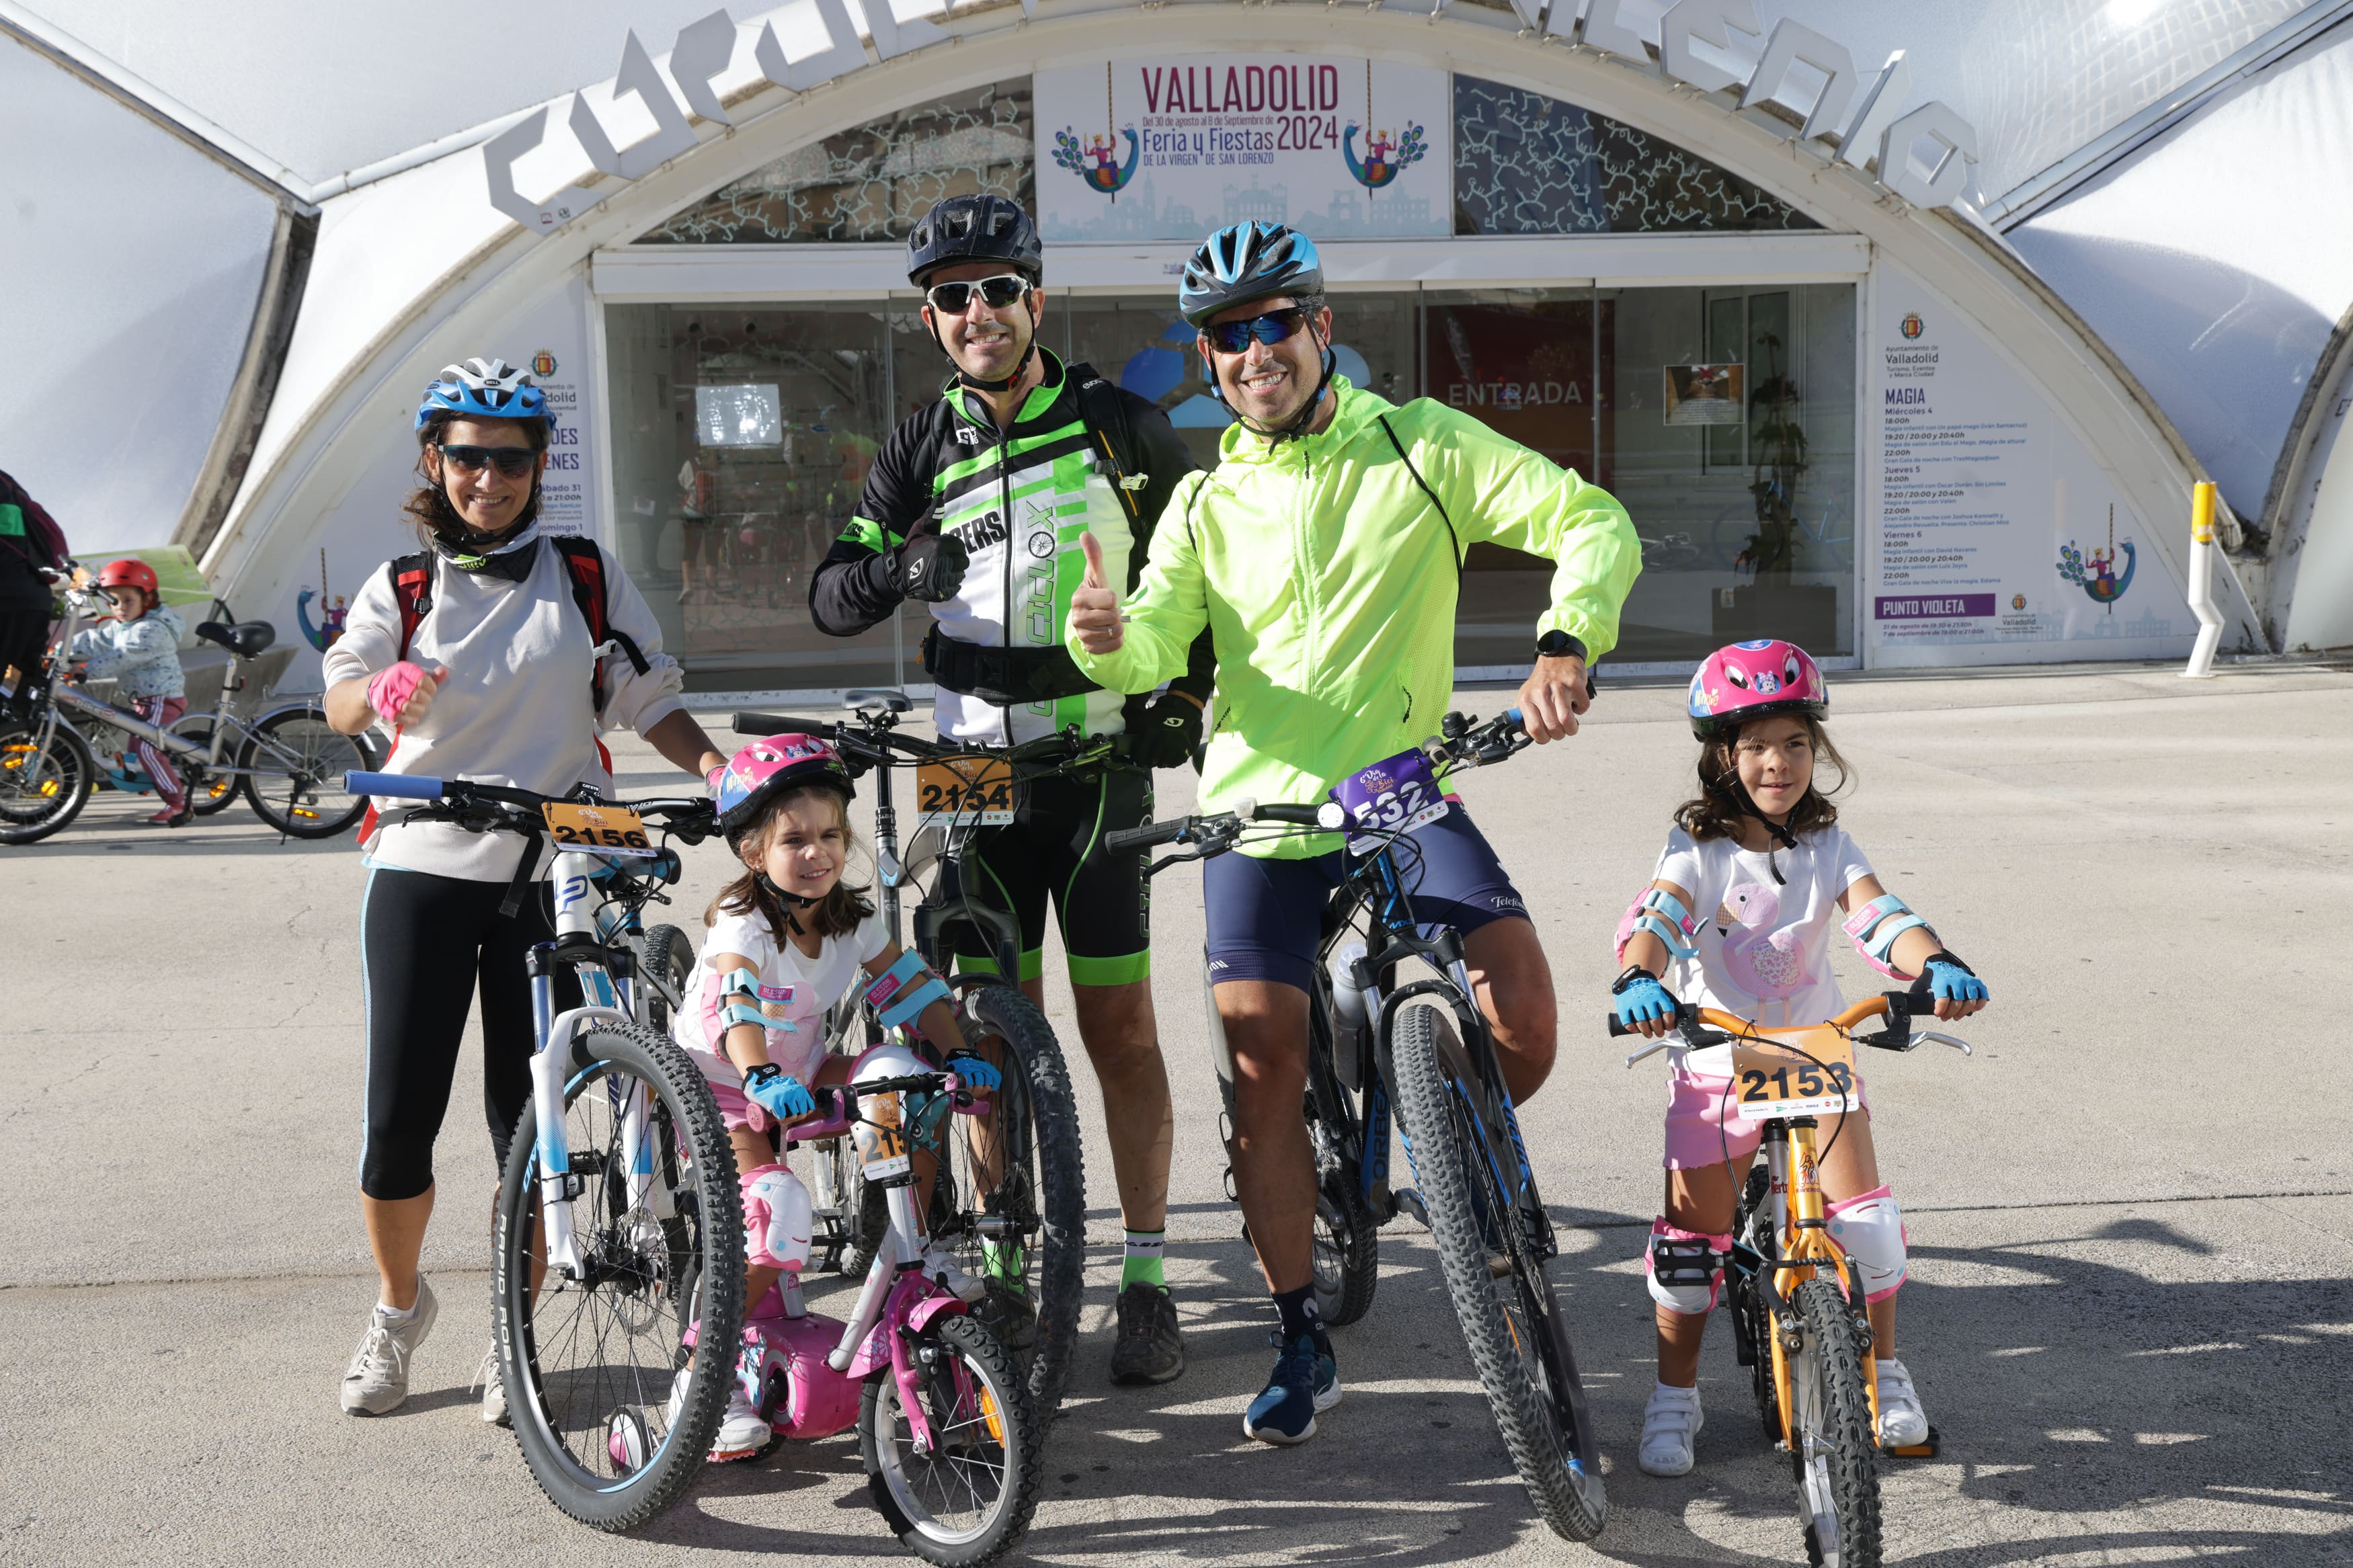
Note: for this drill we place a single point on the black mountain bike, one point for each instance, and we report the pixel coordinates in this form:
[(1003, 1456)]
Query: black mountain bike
[(1011, 1197), (1427, 1048)]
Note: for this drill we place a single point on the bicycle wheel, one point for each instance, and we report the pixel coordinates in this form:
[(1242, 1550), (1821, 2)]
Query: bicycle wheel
[(1347, 1260), (668, 965), (296, 765), (1831, 1448), (213, 793), (1752, 1326), (589, 1363), (40, 795), (968, 1500), (1510, 1318), (1021, 1190)]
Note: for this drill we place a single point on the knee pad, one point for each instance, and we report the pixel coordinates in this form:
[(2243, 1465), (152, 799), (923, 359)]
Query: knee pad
[(777, 1220), (1870, 1227), (1684, 1268)]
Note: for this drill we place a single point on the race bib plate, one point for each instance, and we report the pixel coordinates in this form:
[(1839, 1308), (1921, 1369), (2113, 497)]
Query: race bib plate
[(1393, 796), (1770, 1078), (965, 791), (596, 829), (882, 1140)]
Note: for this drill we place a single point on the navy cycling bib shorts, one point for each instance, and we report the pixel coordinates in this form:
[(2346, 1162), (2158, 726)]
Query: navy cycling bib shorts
[(1265, 916)]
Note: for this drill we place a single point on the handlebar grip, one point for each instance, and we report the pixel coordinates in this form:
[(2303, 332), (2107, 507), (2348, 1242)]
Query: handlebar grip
[(1294, 816), (783, 724), (1685, 1013), (1513, 718), (398, 786), (1121, 840)]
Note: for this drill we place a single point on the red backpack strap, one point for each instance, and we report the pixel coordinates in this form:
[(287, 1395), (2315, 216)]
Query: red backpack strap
[(412, 593), (585, 565)]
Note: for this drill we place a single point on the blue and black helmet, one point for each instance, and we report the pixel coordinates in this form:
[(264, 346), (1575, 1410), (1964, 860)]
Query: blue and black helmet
[(1248, 261), (484, 389)]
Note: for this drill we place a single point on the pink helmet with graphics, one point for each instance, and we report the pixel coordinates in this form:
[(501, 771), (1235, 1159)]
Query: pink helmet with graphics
[(763, 770), (1754, 681)]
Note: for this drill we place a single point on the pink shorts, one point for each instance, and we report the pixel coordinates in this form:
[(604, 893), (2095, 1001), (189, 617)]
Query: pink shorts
[(1703, 1122)]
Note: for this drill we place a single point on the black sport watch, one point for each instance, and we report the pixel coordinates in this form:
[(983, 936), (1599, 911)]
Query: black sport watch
[(1559, 645)]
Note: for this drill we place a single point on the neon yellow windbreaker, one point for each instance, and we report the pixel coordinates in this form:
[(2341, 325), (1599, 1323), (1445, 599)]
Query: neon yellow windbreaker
[(1329, 585)]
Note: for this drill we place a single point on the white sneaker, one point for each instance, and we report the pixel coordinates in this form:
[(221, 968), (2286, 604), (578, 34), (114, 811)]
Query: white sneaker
[(1902, 1423), (741, 1433), (1670, 1421), (377, 1379), (941, 1266), (491, 1378)]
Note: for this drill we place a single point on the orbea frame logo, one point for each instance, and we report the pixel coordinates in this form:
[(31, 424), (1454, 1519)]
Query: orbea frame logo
[(1913, 325)]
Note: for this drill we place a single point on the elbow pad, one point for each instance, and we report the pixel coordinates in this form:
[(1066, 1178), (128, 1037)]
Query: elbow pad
[(904, 990), (1645, 915), (740, 1002), (1874, 928)]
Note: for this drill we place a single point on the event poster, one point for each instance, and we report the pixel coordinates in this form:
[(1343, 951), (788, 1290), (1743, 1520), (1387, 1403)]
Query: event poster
[(1169, 149), (2000, 540)]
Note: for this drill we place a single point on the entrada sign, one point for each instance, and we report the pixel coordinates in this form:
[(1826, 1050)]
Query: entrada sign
[(1878, 135)]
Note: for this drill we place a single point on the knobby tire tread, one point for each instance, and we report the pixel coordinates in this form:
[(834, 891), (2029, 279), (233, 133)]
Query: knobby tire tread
[(1025, 1474), (1539, 1450), (1825, 1318)]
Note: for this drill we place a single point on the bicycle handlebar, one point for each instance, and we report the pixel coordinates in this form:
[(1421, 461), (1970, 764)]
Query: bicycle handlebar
[(1898, 1008), (397, 786)]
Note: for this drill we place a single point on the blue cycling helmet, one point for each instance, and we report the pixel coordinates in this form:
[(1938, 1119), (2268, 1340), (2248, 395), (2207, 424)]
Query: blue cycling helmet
[(1248, 261), (484, 389)]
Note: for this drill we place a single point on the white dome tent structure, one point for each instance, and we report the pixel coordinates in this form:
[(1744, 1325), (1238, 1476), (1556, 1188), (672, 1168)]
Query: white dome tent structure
[(1842, 311)]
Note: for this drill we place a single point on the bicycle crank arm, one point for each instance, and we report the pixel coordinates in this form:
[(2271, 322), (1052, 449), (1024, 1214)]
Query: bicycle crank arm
[(1405, 1200)]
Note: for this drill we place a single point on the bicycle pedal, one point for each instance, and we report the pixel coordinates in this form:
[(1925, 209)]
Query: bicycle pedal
[(1405, 1200), (1926, 1450)]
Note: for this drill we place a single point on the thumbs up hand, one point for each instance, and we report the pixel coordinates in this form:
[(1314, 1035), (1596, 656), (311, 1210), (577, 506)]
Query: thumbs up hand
[(1094, 605)]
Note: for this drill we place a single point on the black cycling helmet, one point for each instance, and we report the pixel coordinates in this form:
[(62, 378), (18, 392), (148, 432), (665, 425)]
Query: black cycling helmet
[(1248, 261), (975, 228)]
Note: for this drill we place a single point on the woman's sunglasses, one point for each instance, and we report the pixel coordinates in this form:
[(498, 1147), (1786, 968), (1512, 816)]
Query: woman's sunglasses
[(513, 462), (1233, 337), (998, 292)]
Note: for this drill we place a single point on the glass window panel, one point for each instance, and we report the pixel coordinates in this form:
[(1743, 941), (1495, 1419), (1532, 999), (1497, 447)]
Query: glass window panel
[(723, 534), (872, 183), (1526, 163), (1760, 547)]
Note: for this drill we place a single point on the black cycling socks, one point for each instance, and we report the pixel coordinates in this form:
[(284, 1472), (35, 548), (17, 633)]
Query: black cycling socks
[(1297, 1309)]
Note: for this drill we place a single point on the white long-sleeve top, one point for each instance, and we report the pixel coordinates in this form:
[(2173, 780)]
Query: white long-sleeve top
[(516, 708)]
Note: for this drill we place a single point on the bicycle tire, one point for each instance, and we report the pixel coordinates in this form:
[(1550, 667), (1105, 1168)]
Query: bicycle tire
[(668, 961), (324, 756), (695, 1270), (31, 807), (211, 793), (1752, 1326), (1051, 1196), (1832, 1455), (1021, 1442), (1348, 1244), (1510, 1318)]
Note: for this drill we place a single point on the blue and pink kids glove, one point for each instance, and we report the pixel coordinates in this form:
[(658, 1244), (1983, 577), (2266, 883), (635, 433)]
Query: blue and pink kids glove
[(777, 1092)]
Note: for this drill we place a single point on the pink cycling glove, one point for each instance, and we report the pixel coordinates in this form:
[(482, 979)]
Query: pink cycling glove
[(388, 690)]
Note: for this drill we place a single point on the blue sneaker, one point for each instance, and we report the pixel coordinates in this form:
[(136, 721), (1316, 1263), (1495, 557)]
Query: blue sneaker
[(1303, 1382)]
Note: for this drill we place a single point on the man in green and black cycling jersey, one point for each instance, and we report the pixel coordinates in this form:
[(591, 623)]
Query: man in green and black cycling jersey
[(1324, 556), (975, 508)]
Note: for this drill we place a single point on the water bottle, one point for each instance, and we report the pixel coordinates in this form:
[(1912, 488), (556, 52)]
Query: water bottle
[(1351, 1015)]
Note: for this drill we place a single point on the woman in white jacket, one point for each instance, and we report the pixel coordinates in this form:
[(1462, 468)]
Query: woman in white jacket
[(484, 666)]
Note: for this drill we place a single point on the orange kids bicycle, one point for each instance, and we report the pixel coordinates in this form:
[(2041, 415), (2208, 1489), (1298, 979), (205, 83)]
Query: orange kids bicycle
[(1800, 1324)]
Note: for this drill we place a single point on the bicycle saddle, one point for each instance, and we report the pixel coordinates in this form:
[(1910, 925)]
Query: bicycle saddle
[(865, 696), (245, 639)]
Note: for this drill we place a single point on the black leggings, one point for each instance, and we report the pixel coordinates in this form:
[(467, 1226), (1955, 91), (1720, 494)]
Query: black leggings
[(427, 944)]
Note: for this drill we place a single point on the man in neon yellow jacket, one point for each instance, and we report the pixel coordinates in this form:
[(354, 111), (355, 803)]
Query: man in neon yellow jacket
[(1324, 556)]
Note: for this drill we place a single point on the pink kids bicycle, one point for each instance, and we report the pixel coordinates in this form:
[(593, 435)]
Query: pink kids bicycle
[(954, 1453)]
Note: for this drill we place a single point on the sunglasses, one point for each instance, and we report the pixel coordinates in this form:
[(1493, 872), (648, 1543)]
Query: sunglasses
[(513, 462), (997, 293), (1233, 337)]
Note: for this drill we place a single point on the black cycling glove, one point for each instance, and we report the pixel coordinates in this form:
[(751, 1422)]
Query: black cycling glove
[(930, 568), (1168, 732)]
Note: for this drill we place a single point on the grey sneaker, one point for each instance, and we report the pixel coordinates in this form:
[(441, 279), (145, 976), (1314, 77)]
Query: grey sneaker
[(377, 1380), (1149, 1349), (491, 1378)]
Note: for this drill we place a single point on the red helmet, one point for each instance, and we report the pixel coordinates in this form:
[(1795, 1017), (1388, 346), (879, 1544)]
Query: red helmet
[(130, 573), (1754, 681), (758, 773)]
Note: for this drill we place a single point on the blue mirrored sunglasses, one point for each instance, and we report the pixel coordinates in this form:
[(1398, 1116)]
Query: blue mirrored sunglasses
[(1233, 337)]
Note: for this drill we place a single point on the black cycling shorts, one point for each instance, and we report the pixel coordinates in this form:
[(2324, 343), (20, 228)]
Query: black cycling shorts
[(1054, 848)]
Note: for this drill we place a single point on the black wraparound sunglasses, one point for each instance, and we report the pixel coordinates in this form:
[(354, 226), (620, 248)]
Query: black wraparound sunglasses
[(513, 462), (1233, 337), (997, 293)]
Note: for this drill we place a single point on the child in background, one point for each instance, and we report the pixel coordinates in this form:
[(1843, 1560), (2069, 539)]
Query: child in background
[(141, 649)]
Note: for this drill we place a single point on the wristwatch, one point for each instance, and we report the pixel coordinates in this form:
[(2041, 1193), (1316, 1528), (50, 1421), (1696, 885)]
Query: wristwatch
[(1559, 645)]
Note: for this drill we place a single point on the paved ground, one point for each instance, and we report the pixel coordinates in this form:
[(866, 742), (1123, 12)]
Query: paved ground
[(2132, 1211)]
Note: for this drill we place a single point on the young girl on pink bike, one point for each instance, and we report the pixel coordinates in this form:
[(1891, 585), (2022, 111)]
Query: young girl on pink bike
[(1754, 876), (786, 938)]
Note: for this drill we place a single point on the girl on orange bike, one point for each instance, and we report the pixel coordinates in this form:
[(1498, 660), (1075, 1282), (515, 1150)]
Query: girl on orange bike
[(1756, 877), (787, 937)]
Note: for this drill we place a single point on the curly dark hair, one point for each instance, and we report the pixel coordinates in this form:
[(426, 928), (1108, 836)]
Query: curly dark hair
[(428, 506), (1717, 812), (838, 913)]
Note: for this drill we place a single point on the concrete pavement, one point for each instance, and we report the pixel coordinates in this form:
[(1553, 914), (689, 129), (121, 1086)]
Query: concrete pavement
[(2130, 1212)]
